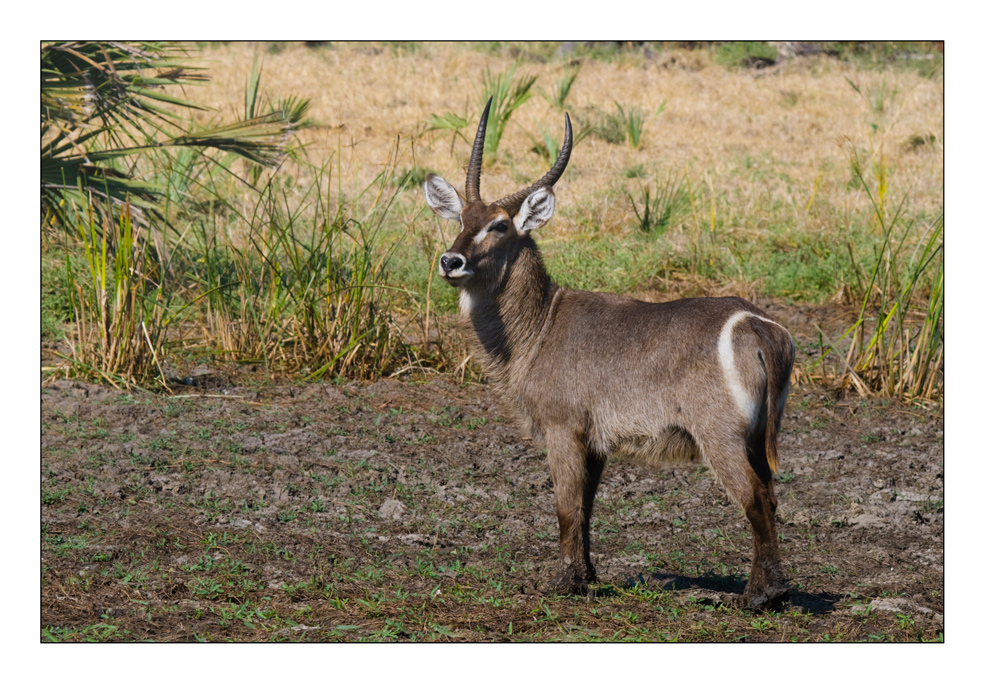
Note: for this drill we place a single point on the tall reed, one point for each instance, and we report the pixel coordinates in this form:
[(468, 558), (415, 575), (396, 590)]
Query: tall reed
[(902, 303), (302, 286), (120, 311)]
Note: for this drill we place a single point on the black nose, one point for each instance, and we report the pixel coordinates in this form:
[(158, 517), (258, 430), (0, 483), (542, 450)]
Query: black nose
[(451, 262)]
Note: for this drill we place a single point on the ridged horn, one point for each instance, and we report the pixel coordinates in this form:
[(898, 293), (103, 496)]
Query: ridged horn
[(475, 162), (512, 203)]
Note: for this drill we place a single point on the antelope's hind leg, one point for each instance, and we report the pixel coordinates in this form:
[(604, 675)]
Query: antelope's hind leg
[(576, 472), (745, 475)]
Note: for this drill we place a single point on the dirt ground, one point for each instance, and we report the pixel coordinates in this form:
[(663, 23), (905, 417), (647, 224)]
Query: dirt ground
[(412, 510)]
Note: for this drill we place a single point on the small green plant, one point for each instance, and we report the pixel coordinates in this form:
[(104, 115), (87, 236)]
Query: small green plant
[(631, 121), (877, 97), (562, 87), (661, 207), (604, 126), (507, 97), (449, 122), (905, 621), (550, 145)]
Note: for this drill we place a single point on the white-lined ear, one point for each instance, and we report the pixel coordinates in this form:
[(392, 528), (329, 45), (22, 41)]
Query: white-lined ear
[(442, 197), (535, 211)]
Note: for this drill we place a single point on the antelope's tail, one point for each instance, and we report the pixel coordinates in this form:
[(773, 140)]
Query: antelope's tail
[(778, 364)]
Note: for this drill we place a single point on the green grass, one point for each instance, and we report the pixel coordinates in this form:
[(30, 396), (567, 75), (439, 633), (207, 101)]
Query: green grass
[(56, 307), (631, 121), (745, 54), (304, 232), (923, 57), (665, 205), (562, 87), (507, 96)]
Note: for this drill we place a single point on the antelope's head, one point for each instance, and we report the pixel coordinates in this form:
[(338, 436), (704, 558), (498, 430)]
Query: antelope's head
[(491, 232)]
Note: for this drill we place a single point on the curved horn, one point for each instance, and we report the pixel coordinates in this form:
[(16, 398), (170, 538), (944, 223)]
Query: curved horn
[(475, 162), (512, 203)]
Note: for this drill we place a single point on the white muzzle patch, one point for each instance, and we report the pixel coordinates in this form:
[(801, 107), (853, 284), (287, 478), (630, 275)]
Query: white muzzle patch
[(460, 269)]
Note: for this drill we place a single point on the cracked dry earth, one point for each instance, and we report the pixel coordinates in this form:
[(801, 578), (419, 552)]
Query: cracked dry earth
[(414, 511)]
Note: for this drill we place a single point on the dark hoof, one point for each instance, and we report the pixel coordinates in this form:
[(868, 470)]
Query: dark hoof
[(568, 581), (770, 598)]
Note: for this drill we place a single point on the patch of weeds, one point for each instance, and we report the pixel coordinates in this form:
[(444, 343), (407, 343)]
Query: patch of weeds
[(173, 409), (63, 546), (219, 541), (507, 97), (104, 631), (212, 504), (905, 621), (549, 146), (602, 125), (51, 496), (764, 623), (663, 206), (747, 54), (208, 587), (203, 564), (631, 122), (56, 306), (413, 177), (877, 97), (562, 86), (288, 515), (129, 576), (920, 140)]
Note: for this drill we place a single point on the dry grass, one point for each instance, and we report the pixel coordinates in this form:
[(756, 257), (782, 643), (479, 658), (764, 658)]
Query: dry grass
[(720, 124)]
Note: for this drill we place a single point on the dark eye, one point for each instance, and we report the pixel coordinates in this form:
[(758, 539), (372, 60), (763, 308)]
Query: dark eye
[(501, 227)]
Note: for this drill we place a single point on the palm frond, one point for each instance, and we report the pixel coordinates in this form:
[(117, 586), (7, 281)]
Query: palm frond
[(104, 101)]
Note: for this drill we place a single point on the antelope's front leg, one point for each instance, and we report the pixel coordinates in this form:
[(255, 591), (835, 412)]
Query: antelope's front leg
[(566, 456)]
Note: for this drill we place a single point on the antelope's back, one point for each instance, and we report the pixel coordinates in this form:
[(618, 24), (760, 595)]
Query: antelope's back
[(636, 363)]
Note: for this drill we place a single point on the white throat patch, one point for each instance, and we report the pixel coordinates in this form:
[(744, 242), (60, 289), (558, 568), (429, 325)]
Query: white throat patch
[(465, 302)]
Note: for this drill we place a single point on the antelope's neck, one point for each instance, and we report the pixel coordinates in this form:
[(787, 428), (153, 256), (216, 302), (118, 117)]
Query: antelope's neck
[(507, 321)]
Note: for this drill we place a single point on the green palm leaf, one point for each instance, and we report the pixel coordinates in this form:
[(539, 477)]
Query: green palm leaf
[(102, 102)]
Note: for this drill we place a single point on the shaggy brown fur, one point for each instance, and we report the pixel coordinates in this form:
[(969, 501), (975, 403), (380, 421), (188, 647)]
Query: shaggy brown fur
[(592, 374)]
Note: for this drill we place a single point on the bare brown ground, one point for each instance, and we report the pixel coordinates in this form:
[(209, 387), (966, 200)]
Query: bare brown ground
[(402, 510)]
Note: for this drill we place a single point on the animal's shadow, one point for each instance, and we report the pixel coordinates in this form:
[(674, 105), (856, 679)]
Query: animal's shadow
[(717, 589)]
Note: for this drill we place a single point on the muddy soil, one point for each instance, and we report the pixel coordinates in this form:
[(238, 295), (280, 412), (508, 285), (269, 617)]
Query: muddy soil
[(414, 511)]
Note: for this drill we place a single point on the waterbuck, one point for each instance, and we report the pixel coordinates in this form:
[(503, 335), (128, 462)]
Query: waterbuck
[(593, 374)]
